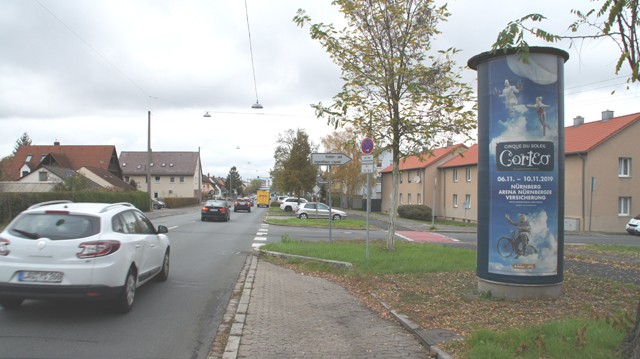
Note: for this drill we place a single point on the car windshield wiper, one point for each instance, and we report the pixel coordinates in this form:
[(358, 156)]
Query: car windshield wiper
[(25, 233)]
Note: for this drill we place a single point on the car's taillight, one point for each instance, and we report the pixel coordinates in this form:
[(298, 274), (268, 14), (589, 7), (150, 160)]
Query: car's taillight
[(205, 208), (4, 247), (95, 249), (222, 209)]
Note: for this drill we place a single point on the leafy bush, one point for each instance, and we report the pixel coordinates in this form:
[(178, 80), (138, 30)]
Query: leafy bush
[(415, 211), (12, 203)]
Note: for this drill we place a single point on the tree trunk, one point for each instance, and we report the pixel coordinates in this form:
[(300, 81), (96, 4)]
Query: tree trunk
[(630, 347), (391, 235)]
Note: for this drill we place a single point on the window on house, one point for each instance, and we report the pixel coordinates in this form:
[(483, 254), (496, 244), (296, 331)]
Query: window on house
[(400, 199), (42, 157), (181, 179), (24, 173), (42, 176), (126, 179), (624, 167), (468, 174), (624, 206), (401, 174), (419, 199), (172, 179), (157, 179), (455, 201), (409, 198), (28, 159), (467, 201), (409, 179), (455, 175)]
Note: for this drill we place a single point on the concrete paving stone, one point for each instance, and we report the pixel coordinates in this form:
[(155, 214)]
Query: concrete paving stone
[(291, 315)]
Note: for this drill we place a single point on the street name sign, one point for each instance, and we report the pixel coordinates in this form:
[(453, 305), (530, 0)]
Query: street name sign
[(329, 159)]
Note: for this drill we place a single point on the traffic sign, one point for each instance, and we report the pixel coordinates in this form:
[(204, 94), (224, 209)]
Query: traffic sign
[(366, 168), (328, 159), (366, 146), (366, 159)]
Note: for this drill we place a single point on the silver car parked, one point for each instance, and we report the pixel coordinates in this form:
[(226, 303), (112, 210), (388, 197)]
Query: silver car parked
[(318, 210)]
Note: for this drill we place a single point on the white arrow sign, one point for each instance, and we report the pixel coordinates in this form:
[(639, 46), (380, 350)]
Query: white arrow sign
[(328, 159)]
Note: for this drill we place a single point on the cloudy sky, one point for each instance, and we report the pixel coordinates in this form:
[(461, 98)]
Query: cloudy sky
[(87, 72)]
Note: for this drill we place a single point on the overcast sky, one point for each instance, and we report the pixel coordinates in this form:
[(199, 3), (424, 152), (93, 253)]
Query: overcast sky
[(87, 72)]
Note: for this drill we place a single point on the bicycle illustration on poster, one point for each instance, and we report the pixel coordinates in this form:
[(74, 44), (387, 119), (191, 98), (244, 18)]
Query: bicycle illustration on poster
[(524, 143)]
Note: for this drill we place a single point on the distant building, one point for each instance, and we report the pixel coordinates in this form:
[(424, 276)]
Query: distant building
[(173, 174)]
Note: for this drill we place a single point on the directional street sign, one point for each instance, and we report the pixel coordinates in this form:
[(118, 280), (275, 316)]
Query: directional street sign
[(329, 159)]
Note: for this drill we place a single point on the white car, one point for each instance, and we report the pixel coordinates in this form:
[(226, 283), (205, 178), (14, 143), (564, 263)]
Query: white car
[(318, 210), (290, 204), (633, 226), (62, 249)]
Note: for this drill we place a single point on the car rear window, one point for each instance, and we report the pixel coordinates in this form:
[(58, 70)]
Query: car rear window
[(215, 204), (55, 226)]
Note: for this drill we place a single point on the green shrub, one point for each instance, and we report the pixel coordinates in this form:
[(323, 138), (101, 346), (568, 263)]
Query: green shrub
[(415, 211), (12, 203)]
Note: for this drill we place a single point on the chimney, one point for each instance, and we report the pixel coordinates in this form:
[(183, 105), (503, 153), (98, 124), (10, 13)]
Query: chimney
[(607, 115), (56, 143), (577, 121)]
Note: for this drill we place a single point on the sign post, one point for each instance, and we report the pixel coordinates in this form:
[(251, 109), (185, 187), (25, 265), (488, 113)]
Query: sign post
[(329, 159), (366, 161)]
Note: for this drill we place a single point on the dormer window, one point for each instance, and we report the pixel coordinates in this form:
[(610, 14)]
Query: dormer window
[(42, 157), (170, 164), (28, 159), (124, 164), (151, 164), (164, 164), (139, 166)]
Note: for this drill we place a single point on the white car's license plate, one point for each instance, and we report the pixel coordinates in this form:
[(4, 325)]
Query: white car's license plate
[(40, 276)]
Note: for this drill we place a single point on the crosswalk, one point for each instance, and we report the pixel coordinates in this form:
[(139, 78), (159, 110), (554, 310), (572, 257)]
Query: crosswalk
[(261, 236)]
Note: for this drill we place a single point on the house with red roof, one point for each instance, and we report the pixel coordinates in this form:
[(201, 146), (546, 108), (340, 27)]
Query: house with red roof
[(600, 181), (418, 174), (458, 189), (29, 158)]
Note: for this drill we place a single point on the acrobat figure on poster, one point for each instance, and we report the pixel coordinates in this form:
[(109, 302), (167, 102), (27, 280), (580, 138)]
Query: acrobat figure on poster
[(542, 114), (524, 231), (509, 94)]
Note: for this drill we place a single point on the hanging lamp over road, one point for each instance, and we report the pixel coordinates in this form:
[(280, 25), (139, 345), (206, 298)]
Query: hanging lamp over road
[(256, 105)]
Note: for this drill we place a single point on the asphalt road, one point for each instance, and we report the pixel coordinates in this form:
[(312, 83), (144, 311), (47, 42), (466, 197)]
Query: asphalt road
[(174, 319)]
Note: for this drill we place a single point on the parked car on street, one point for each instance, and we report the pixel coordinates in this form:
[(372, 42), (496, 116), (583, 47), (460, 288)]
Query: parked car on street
[(215, 209), (61, 249), (318, 210), (158, 204), (290, 204), (242, 204), (280, 199), (633, 226)]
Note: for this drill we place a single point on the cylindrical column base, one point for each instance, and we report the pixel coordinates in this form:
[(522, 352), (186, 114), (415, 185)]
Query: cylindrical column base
[(519, 291)]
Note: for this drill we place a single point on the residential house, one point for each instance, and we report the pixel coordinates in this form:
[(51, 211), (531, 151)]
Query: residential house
[(602, 188), (458, 188), (173, 174), (29, 158), (418, 178)]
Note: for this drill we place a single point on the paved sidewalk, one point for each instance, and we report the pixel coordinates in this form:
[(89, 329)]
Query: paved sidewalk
[(291, 315)]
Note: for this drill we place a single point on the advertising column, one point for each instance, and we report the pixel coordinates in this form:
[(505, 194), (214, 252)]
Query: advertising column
[(520, 172)]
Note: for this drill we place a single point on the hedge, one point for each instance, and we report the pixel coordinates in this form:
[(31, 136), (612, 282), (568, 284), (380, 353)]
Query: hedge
[(12, 203), (415, 211)]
